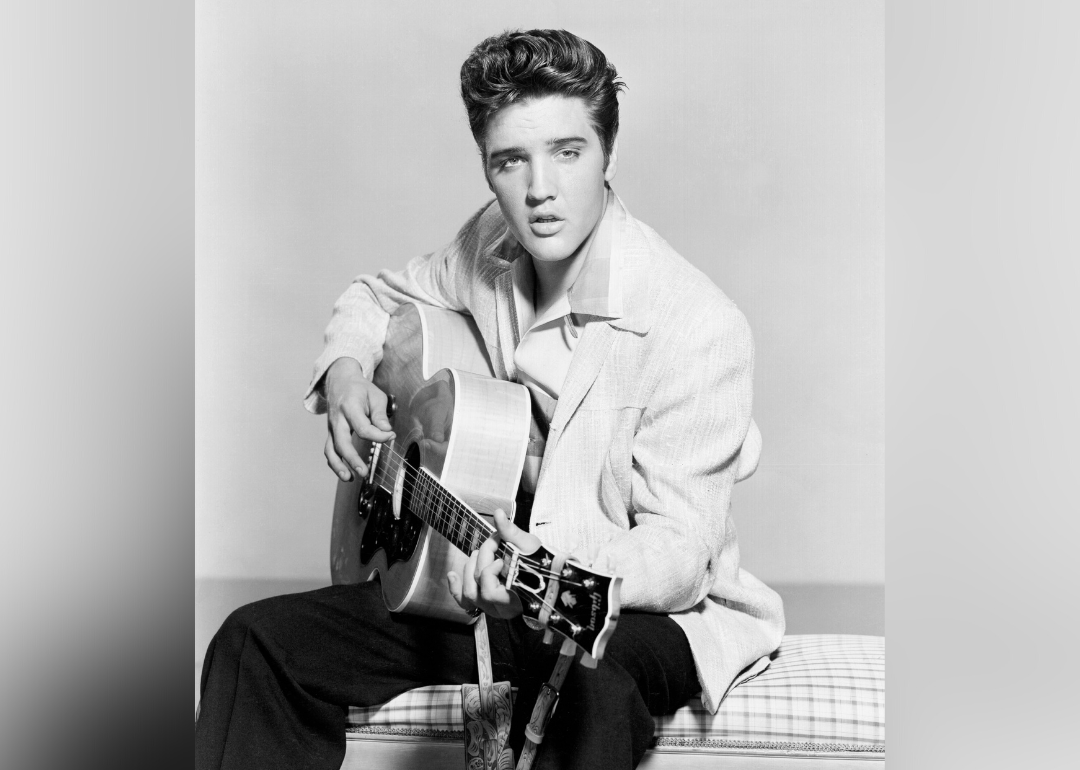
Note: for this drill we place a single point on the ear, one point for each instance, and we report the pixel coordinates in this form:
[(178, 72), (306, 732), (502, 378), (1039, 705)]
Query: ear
[(612, 161)]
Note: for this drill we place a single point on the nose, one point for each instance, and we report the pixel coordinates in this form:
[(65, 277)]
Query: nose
[(543, 182)]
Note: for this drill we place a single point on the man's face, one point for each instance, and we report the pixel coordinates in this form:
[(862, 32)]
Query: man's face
[(545, 165)]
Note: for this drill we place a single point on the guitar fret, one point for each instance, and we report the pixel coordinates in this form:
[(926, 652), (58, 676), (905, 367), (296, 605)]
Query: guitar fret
[(418, 495), (439, 508), (464, 537), (452, 529)]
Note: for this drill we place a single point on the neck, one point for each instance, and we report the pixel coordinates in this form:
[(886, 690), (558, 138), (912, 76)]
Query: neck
[(554, 279)]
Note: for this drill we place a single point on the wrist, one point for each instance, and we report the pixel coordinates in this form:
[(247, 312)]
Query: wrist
[(341, 368), (344, 364)]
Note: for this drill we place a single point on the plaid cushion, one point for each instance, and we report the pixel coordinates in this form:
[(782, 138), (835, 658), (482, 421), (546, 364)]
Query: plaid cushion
[(821, 693)]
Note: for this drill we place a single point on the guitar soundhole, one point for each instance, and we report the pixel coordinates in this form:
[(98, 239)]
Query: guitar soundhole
[(396, 537)]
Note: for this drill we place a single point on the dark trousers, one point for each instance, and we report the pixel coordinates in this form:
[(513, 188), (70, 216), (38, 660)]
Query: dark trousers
[(280, 673)]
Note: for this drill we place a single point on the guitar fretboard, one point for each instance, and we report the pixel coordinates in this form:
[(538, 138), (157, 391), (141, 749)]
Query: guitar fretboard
[(447, 515)]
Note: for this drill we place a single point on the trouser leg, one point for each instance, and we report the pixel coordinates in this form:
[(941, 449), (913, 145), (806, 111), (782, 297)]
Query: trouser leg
[(280, 673)]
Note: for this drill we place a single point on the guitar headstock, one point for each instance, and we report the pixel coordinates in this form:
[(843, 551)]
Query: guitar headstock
[(577, 602)]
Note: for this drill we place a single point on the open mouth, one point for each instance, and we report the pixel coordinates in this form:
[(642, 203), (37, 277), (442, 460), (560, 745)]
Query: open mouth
[(545, 226)]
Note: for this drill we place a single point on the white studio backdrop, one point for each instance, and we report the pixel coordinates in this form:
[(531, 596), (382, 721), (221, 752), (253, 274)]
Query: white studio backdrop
[(332, 142)]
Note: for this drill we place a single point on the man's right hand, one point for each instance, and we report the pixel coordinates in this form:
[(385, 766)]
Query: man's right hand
[(353, 405)]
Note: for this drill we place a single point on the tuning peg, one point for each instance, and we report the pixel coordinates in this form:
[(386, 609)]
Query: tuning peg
[(587, 660), (549, 636)]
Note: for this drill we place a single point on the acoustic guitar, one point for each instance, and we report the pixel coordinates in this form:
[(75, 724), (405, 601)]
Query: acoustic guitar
[(459, 448)]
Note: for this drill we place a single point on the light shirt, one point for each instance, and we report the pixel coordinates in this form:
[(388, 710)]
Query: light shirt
[(546, 344)]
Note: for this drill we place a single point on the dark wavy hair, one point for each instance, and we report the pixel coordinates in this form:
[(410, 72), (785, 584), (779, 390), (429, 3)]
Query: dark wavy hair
[(517, 65)]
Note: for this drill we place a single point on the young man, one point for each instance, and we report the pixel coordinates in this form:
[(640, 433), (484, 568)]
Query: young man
[(640, 370)]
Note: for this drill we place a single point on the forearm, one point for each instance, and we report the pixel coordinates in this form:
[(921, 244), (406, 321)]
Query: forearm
[(357, 327)]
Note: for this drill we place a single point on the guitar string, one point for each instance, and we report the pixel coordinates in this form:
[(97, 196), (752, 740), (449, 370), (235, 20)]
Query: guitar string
[(428, 486), (435, 487), (462, 513), (423, 487), (448, 519)]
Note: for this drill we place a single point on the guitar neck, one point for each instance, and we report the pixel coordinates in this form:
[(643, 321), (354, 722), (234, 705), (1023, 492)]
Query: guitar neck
[(439, 508), (573, 600)]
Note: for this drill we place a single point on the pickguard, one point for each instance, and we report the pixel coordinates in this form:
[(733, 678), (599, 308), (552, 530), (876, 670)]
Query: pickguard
[(397, 538)]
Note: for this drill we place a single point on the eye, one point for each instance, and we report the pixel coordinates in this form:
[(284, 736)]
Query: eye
[(511, 162), (568, 154)]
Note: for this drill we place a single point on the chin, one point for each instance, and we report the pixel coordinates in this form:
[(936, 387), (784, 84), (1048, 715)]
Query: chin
[(548, 249), (547, 255)]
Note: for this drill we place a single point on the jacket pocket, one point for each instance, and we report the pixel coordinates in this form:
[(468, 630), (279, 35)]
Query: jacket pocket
[(617, 470)]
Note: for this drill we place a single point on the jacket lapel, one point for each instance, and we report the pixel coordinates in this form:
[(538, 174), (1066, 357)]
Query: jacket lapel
[(589, 356), (598, 335)]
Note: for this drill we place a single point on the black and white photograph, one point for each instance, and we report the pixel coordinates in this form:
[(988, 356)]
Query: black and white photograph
[(539, 360), (539, 385)]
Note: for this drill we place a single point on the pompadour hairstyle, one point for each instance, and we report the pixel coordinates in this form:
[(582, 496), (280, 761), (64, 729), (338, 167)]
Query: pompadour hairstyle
[(517, 65)]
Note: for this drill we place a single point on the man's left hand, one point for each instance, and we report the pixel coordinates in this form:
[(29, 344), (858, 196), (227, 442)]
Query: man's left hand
[(481, 586)]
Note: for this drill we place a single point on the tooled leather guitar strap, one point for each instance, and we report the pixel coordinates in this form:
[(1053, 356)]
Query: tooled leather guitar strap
[(486, 709)]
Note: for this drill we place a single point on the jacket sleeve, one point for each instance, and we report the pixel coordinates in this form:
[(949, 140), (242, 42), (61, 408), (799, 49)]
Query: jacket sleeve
[(686, 455), (357, 327)]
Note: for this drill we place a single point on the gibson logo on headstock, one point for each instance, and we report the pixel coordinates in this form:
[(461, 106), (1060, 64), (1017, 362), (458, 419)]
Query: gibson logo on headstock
[(595, 610), (570, 599)]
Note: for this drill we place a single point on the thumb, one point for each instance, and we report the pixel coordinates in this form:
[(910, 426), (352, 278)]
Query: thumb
[(506, 528), (378, 415), (379, 420), (510, 532)]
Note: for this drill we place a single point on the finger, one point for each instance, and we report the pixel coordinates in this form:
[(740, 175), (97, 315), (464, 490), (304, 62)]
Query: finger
[(511, 533), (454, 583), (485, 553), (468, 579), (343, 445), (358, 420), (377, 402), (491, 587), (334, 461)]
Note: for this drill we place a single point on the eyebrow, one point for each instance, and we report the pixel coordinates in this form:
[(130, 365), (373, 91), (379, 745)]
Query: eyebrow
[(560, 142)]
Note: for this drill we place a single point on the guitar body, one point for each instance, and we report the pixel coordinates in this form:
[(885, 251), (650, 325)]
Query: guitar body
[(452, 419)]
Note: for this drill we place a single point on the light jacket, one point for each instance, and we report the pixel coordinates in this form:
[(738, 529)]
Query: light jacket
[(651, 430)]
